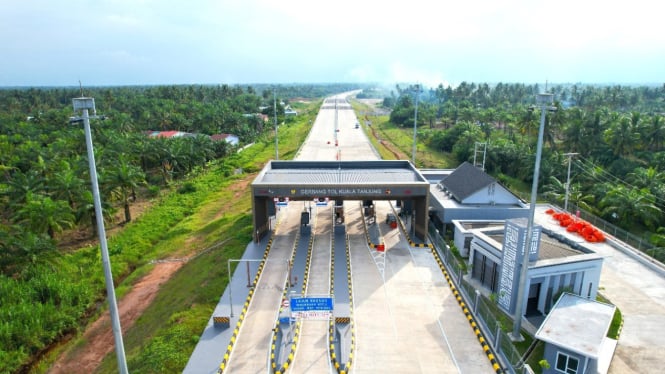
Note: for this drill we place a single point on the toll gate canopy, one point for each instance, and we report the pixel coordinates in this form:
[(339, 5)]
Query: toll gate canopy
[(282, 181)]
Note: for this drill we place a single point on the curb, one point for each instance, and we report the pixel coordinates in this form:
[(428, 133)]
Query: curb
[(476, 329)]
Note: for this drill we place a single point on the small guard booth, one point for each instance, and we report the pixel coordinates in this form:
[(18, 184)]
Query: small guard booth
[(397, 180)]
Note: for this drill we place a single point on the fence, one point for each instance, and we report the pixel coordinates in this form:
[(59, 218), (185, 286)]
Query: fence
[(491, 327), (635, 241)]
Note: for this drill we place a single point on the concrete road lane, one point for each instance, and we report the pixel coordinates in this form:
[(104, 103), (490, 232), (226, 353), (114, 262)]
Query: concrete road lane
[(312, 353), (250, 352)]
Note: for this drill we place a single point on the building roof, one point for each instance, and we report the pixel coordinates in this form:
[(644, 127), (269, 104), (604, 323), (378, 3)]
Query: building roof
[(217, 137), (168, 134), (380, 179), (551, 247), (577, 324), (353, 172), (465, 181), (434, 176), (479, 224)]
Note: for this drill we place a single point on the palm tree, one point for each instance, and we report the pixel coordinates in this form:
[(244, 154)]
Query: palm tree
[(649, 178), (526, 121), (621, 136), (85, 211), (121, 181), (66, 184), (630, 205), (20, 185), (654, 133), (43, 215), (556, 190), (574, 133)]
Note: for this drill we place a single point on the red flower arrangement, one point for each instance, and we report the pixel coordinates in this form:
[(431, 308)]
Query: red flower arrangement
[(573, 224)]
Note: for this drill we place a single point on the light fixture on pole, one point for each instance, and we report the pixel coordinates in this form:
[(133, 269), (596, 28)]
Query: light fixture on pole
[(84, 104), (544, 102), (415, 124), (274, 109), (570, 156)]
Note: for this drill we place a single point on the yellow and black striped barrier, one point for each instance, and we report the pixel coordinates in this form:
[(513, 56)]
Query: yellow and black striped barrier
[(241, 317), (342, 319), (221, 322), (460, 300)]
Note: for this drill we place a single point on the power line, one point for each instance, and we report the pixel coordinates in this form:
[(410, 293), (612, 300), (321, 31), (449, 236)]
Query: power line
[(601, 175)]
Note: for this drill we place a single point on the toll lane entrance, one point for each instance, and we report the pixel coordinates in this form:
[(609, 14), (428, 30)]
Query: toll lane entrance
[(282, 181)]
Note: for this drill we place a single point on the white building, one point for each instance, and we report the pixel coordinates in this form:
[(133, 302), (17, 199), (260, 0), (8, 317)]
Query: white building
[(558, 265), (480, 210)]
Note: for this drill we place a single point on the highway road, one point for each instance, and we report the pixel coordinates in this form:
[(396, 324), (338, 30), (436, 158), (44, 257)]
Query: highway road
[(404, 316)]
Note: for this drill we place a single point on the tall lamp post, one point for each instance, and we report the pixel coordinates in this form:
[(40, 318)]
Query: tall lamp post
[(274, 109), (84, 104), (415, 124), (544, 101)]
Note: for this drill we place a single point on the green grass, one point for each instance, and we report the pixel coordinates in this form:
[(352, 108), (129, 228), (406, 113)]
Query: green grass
[(165, 335), (216, 207), (402, 139), (617, 319)]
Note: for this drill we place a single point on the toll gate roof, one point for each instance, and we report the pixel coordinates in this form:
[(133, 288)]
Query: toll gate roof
[(339, 172)]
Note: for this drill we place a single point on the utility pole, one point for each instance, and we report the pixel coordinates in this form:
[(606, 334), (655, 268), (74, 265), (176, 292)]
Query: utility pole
[(475, 153), (415, 125), (274, 109), (84, 104), (570, 156)]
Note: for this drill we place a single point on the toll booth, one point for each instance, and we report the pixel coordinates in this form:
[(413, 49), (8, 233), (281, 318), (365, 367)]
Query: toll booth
[(318, 181), (304, 218), (405, 207), (339, 212), (368, 211)]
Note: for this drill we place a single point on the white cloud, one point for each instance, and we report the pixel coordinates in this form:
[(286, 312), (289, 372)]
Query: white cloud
[(303, 40)]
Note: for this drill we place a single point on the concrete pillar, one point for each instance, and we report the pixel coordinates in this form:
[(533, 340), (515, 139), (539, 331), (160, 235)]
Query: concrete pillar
[(421, 218), (542, 298), (566, 280), (577, 288)]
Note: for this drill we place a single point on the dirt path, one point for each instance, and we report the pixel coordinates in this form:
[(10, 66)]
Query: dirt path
[(99, 336)]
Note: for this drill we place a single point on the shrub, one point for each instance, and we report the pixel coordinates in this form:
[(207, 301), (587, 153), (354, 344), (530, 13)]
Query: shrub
[(187, 187)]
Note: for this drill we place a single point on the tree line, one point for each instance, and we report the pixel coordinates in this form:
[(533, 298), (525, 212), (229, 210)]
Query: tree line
[(45, 188), (48, 289), (614, 134)]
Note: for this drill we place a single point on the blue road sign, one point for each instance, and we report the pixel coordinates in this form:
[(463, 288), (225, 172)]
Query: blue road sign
[(305, 304)]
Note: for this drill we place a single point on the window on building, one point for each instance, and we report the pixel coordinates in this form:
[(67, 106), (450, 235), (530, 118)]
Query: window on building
[(566, 364), (467, 243), (485, 271)]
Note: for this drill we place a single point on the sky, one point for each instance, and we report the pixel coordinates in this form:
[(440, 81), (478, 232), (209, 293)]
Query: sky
[(431, 42)]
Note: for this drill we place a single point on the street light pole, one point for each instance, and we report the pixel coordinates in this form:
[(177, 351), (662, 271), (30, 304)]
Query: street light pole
[(570, 156), (415, 123), (84, 104), (274, 109), (247, 261), (544, 101)]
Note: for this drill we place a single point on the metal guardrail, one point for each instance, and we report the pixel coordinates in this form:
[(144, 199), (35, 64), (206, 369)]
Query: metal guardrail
[(637, 242), (641, 244), (499, 339)]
